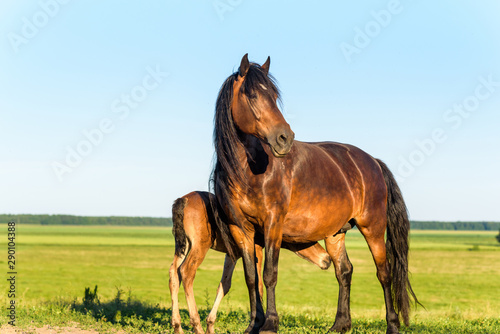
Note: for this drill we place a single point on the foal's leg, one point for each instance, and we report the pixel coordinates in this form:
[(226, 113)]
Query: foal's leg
[(335, 246), (259, 259), (312, 252), (187, 273), (224, 286), (374, 236), (174, 283)]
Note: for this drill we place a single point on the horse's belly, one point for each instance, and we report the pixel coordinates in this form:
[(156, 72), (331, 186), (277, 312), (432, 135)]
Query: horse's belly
[(317, 223)]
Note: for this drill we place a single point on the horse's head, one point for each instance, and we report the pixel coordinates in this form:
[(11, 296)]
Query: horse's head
[(254, 108)]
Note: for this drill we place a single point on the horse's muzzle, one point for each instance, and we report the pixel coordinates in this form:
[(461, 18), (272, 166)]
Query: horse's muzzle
[(282, 142)]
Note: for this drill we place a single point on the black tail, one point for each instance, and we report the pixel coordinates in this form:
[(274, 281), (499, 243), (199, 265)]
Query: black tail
[(398, 227), (178, 221)]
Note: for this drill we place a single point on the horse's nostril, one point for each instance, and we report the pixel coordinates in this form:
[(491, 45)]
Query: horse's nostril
[(282, 139)]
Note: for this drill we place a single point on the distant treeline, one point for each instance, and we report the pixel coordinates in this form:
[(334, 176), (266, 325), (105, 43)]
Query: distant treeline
[(83, 220), (455, 226), (149, 221)]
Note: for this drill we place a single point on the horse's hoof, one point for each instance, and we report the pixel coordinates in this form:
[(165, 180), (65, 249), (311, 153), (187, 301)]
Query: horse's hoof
[(341, 327), (270, 326), (252, 330), (393, 327), (392, 330), (178, 330)]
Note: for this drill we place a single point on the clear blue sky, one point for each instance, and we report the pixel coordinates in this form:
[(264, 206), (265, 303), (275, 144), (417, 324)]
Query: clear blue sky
[(414, 83)]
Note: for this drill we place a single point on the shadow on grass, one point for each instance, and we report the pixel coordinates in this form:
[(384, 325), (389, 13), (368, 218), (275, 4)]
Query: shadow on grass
[(124, 310)]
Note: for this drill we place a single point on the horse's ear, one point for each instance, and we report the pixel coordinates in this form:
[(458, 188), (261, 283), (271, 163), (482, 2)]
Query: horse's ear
[(266, 65), (244, 66)]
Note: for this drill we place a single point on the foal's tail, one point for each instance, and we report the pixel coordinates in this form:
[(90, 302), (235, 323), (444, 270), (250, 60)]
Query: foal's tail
[(398, 227), (178, 221)]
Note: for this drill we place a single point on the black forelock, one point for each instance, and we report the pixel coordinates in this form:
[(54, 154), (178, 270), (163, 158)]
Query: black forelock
[(258, 81)]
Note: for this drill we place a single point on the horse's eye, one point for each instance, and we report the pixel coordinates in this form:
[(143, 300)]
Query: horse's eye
[(252, 96)]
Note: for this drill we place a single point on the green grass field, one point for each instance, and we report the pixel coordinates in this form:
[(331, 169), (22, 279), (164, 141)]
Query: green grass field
[(456, 275)]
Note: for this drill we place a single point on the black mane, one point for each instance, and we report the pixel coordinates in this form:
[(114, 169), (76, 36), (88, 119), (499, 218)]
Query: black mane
[(227, 172)]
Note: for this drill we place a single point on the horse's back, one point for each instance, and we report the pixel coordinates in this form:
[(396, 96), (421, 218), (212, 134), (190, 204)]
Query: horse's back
[(364, 169), (361, 169), (342, 166), (356, 164)]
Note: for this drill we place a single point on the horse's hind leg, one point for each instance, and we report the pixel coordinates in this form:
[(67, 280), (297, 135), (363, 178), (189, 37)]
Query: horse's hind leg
[(224, 286), (374, 236), (335, 246), (174, 283), (187, 272)]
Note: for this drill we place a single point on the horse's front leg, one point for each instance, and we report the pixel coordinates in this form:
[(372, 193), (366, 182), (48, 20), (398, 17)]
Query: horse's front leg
[(272, 241), (245, 241)]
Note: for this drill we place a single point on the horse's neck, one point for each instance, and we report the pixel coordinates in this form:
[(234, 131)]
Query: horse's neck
[(255, 155)]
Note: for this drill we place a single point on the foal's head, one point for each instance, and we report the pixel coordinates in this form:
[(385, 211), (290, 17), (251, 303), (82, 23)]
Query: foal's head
[(254, 109)]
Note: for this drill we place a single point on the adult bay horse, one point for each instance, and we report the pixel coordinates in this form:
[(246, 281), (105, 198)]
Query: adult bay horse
[(195, 232), (292, 191)]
